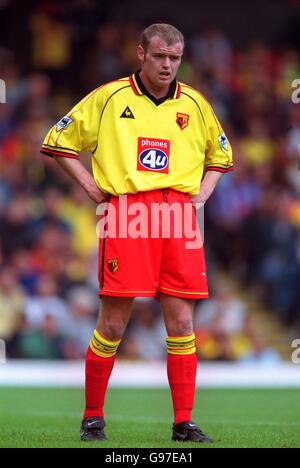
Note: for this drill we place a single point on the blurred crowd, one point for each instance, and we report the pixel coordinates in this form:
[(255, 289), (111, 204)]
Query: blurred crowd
[(48, 245)]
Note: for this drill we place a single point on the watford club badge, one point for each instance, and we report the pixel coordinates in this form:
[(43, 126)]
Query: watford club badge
[(113, 265), (182, 120)]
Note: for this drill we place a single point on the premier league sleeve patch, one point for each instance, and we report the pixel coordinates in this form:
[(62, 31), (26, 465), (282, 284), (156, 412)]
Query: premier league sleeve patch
[(223, 141), (63, 123), (153, 155)]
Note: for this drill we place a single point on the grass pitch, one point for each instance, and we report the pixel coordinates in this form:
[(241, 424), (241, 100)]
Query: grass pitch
[(43, 417)]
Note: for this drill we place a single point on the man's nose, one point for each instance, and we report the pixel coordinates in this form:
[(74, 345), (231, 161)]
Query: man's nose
[(166, 62)]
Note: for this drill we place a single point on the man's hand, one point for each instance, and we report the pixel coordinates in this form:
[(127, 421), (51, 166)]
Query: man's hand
[(208, 185), (94, 192), (200, 199)]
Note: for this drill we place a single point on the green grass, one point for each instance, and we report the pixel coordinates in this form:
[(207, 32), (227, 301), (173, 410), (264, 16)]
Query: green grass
[(142, 417)]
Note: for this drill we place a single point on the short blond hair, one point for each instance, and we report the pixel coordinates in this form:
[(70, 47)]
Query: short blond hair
[(168, 33)]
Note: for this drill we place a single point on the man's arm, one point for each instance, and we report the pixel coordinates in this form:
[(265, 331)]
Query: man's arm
[(76, 170), (207, 187)]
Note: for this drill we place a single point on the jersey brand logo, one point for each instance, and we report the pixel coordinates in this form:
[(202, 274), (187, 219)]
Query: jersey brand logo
[(127, 114), (153, 155), (182, 120)]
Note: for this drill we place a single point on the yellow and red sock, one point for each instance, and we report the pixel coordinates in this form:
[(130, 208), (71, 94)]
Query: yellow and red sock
[(100, 360), (182, 369)]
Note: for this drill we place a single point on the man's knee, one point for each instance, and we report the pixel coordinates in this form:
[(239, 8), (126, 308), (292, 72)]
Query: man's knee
[(181, 326), (113, 317), (112, 328)]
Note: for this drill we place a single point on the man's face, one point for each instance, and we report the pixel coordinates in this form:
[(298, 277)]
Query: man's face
[(161, 61)]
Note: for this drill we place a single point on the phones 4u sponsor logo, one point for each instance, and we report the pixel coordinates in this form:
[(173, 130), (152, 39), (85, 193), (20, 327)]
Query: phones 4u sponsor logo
[(153, 155)]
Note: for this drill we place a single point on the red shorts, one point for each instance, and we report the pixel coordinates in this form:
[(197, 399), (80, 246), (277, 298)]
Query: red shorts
[(154, 246)]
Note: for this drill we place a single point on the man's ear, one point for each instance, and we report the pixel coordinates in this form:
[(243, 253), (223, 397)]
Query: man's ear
[(141, 53)]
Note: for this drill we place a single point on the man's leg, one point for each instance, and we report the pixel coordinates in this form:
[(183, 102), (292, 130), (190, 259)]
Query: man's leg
[(182, 359), (182, 366), (100, 358)]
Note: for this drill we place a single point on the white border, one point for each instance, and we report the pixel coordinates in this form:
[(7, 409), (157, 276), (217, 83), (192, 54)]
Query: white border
[(148, 374)]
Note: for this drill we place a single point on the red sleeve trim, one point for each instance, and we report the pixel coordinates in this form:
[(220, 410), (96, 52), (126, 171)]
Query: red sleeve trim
[(219, 169), (57, 153)]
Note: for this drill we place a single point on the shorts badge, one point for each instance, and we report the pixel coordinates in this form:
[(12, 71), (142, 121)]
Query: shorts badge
[(113, 265)]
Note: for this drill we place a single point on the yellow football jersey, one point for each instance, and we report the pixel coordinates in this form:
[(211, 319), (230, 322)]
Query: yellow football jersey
[(141, 143)]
